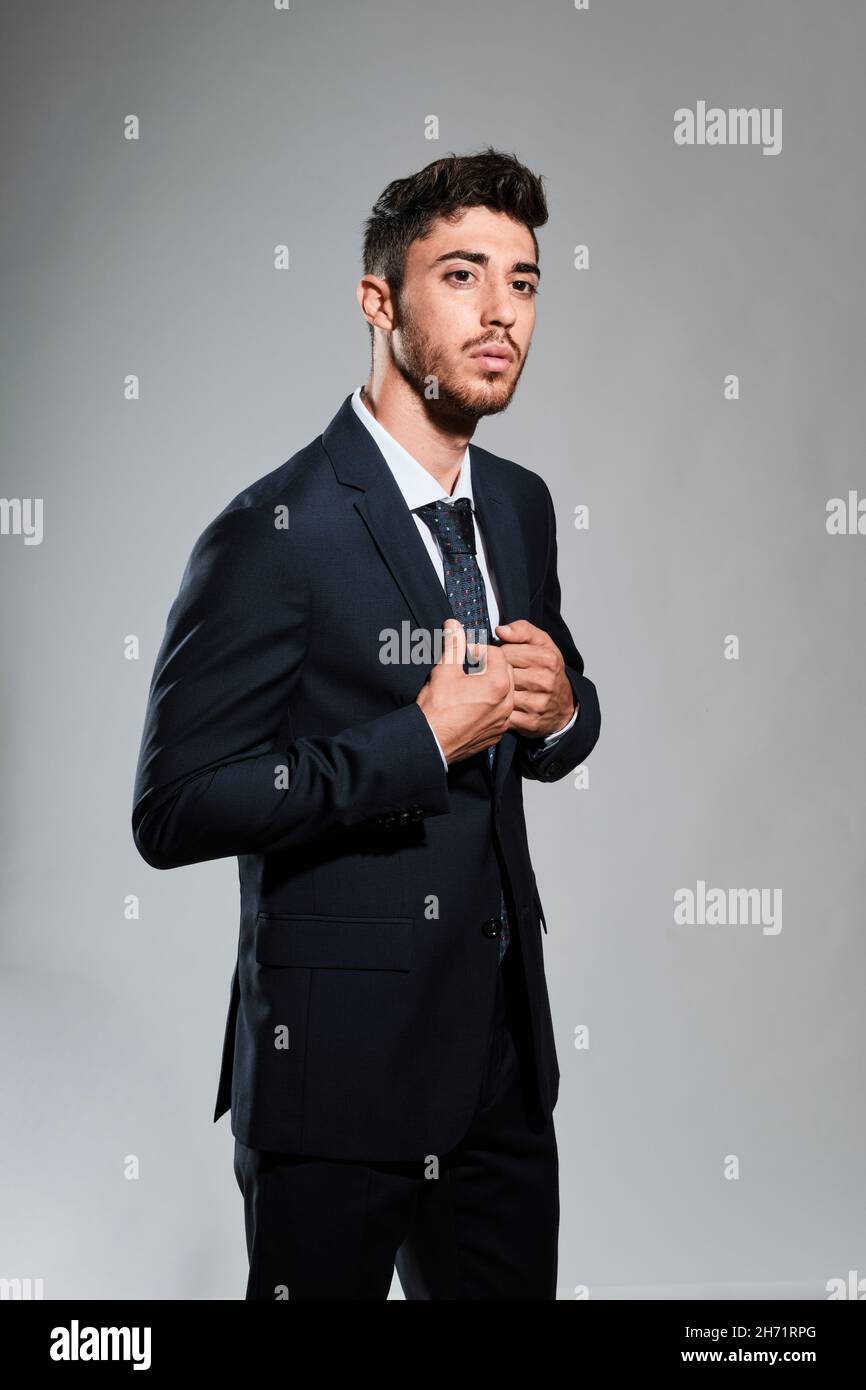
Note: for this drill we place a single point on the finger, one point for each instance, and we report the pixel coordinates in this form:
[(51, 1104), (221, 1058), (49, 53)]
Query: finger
[(530, 654), (454, 642), (530, 702), (521, 630), (532, 681), (521, 723), (496, 659)]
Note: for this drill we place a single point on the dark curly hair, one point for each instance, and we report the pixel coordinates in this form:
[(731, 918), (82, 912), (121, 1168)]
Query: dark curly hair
[(408, 207)]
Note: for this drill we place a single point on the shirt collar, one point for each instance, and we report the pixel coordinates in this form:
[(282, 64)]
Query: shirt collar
[(417, 485)]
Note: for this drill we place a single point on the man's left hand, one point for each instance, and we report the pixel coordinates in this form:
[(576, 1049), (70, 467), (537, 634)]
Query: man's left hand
[(543, 697)]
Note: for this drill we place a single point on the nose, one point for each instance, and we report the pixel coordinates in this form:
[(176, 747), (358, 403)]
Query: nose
[(498, 308)]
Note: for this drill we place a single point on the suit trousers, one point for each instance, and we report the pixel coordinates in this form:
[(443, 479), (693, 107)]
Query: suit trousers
[(485, 1225)]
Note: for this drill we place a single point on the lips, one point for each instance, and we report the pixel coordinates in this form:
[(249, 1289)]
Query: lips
[(493, 357), (493, 350)]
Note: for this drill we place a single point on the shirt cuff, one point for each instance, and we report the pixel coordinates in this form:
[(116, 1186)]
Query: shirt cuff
[(439, 746), (549, 738)]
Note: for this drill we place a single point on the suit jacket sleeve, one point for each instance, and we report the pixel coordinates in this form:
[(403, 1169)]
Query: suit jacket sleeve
[(218, 774), (549, 762)]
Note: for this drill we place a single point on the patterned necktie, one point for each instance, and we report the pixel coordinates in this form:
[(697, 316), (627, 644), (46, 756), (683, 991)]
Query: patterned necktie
[(453, 527)]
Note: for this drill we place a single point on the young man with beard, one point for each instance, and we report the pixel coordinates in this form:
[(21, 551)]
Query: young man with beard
[(389, 1058)]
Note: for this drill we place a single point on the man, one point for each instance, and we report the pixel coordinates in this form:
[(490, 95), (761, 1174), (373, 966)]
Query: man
[(389, 1058)]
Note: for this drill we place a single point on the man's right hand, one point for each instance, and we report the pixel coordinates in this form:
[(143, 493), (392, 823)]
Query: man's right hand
[(467, 712)]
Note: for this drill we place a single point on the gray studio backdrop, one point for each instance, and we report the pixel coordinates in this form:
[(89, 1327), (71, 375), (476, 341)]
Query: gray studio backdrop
[(711, 1118)]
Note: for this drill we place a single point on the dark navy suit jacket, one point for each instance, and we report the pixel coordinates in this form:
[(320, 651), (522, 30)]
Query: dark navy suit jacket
[(362, 997)]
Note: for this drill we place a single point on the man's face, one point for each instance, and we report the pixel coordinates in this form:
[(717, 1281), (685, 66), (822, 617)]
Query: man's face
[(470, 284)]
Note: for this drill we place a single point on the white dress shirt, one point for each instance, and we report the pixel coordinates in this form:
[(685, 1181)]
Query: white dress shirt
[(419, 487)]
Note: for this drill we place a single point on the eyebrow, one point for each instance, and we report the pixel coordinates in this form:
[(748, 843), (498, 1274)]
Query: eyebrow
[(482, 258)]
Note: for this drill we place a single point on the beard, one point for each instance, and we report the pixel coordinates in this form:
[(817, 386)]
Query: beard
[(418, 359)]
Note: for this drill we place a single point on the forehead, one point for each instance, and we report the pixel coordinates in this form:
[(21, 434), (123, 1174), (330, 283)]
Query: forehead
[(475, 229)]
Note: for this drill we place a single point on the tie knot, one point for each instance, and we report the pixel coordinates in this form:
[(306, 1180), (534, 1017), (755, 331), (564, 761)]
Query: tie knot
[(451, 523)]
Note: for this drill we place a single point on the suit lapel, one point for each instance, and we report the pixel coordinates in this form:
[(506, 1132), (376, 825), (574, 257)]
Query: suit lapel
[(503, 540), (381, 507)]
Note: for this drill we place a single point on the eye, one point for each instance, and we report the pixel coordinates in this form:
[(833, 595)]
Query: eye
[(525, 288)]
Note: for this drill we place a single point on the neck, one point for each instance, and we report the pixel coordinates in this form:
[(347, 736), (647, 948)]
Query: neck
[(438, 446)]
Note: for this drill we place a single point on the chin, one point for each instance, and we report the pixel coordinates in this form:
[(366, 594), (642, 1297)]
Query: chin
[(494, 404), (487, 396), (494, 395)]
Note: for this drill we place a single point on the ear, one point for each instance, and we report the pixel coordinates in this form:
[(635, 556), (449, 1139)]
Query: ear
[(377, 305)]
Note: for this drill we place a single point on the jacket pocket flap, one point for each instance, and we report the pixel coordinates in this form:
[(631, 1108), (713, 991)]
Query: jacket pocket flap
[(343, 943)]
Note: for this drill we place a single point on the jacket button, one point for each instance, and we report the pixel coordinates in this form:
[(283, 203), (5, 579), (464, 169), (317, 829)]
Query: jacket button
[(555, 766), (491, 927)]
